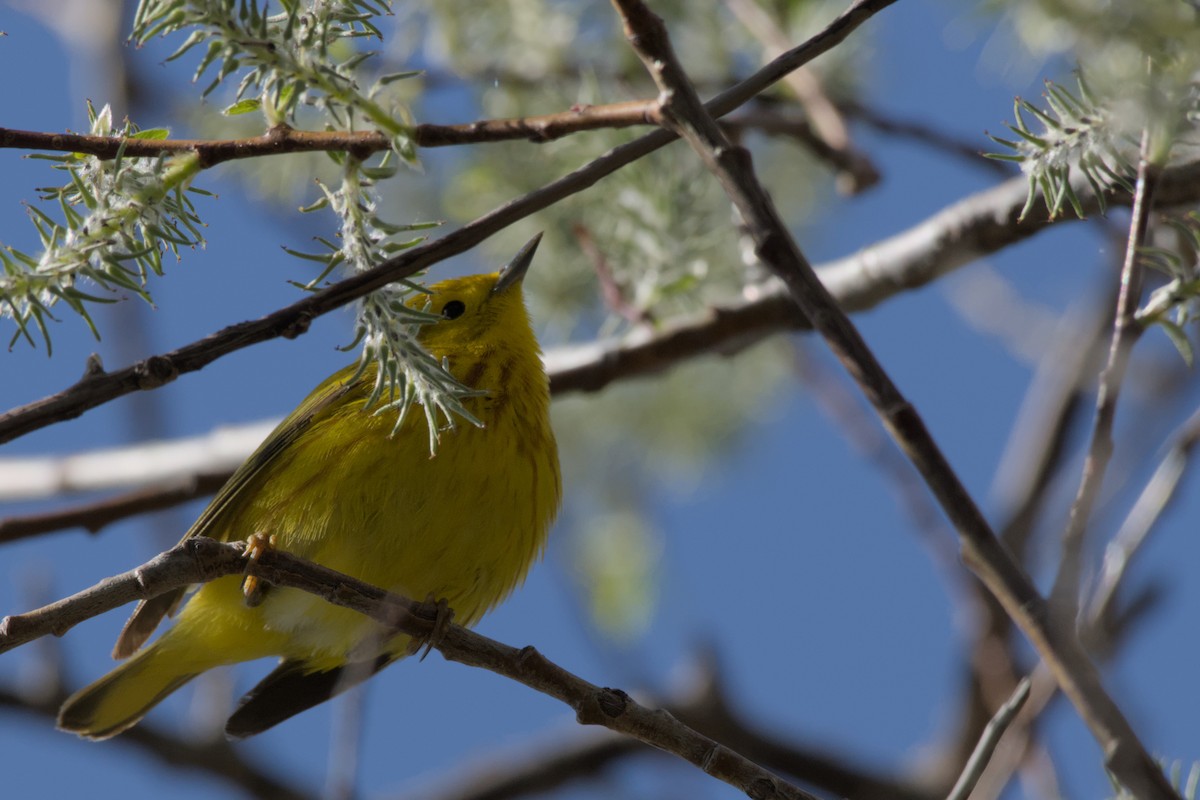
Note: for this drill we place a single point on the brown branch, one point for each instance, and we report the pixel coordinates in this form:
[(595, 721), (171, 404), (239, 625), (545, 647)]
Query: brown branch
[(829, 133), (951, 238), (837, 403), (192, 561), (1158, 493), (94, 517), (1124, 753), (988, 741), (611, 291), (924, 134), (1100, 627), (214, 756), (196, 560), (98, 387), (536, 766), (972, 227), (708, 709), (1064, 595), (793, 126), (282, 139), (1036, 451)]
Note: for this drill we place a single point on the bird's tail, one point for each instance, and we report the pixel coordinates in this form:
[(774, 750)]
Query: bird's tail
[(122, 697)]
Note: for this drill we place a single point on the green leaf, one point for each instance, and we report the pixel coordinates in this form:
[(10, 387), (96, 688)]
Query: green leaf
[(392, 77), (1179, 338), (151, 133), (243, 106)]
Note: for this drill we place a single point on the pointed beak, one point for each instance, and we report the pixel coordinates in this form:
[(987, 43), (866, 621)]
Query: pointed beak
[(514, 273)]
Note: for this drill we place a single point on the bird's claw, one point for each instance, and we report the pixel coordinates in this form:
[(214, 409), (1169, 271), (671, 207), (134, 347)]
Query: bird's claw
[(254, 589), (441, 621)]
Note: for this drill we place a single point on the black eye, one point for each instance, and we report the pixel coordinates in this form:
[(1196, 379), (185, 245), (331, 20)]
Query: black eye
[(454, 309)]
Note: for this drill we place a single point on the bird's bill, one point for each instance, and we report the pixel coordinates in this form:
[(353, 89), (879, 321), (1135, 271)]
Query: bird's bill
[(515, 271)]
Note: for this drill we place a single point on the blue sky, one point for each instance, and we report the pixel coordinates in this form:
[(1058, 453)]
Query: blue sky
[(793, 558)]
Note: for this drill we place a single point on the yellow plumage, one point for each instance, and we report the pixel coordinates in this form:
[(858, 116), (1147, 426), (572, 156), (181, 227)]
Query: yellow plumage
[(334, 485)]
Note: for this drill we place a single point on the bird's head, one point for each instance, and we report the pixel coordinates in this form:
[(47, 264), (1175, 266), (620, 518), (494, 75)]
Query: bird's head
[(480, 313)]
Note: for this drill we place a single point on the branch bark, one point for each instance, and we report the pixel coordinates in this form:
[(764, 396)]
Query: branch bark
[(213, 756), (196, 560), (1058, 645), (98, 387), (286, 139)]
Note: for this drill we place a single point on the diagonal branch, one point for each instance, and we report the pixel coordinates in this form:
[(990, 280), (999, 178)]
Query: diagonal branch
[(828, 129), (988, 741), (98, 387), (1058, 645), (197, 560), (1064, 594), (947, 240)]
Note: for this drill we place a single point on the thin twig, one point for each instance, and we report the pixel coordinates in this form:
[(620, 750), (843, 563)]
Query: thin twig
[(987, 742), (286, 139), (612, 292), (1125, 755), (196, 560), (1099, 628), (93, 517), (1036, 451), (216, 757), (99, 387), (1064, 595), (925, 134), (836, 401), (949, 239), (829, 133), (1156, 496)]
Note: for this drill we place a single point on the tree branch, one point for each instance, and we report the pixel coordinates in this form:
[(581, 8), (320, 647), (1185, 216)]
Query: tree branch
[(1064, 595), (216, 756), (925, 134), (957, 235), (98, 387), (95, 516), (282, 139), (829, 134), (988, 741), (1125, 755), (1154, 499), (196, 560)]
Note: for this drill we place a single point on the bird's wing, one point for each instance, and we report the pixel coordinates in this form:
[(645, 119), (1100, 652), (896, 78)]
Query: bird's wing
[(150, 612), (292, 688)]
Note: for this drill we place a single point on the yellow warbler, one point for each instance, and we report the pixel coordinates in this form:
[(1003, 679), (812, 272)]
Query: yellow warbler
[(333, 484)]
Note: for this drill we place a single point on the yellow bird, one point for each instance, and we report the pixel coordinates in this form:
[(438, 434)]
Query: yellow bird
[(335, 485)]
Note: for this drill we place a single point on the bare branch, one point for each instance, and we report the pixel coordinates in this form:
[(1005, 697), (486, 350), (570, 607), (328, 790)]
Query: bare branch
[(192, 561), (1098, 627), (949, 239), (1125, 755), (196, 560), (216, 757), (535, 766), (94, 517), (613, 293), (1147, 510), (988, 741), (285, 139), (829, 133), (550, 761), (98, 387), (925, 134), (1064, 595)]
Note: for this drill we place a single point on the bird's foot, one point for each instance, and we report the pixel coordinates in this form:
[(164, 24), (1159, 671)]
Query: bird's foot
[(441, 621), (253, 588)]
